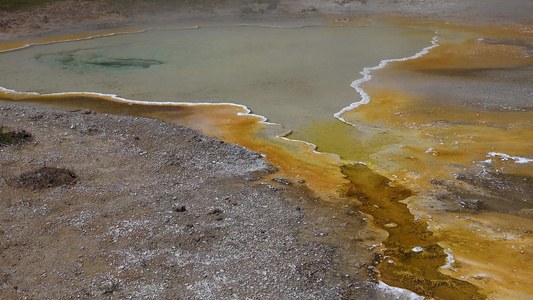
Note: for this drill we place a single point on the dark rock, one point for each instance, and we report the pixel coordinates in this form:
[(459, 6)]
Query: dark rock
[(216, 211), (180, 208)]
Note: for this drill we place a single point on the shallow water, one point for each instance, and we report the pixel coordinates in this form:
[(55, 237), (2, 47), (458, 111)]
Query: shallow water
[(450, 153), (292, 76)]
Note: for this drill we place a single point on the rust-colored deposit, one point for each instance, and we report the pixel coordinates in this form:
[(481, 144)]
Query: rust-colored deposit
[(411, 257), (446, 111)]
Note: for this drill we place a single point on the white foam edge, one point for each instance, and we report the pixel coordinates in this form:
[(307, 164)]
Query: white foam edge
[(367, 76), (262, 119), (117, 98), (516, 159), (398, 293), (313, 146), (450, 260)]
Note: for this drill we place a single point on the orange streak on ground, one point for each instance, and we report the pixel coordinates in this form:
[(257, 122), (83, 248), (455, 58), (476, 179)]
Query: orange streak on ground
[(441, 138), (494, 31), (294, 160), (471, 54), (492, 250)]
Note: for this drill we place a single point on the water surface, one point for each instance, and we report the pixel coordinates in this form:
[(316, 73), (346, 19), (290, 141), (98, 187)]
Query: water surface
[(292, 76)]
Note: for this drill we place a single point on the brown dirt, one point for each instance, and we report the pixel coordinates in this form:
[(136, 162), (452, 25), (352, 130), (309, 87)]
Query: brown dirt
[(157, 211)]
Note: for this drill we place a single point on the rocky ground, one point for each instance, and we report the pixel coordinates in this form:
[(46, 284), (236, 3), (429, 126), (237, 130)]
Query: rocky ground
[(103, 206)]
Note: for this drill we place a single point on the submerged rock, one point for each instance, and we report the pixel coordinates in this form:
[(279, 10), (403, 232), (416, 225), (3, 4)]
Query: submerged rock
[(78, 59)]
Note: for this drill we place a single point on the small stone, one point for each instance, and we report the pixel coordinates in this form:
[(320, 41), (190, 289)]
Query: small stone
[(216, 211), (432, 151), (87, 112), (233, 202), (180, 208), (417, 249), (284, 181), (391, 225), (108, 287)]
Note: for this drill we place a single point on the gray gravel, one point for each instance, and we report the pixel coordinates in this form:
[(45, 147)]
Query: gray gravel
[(158, 212)]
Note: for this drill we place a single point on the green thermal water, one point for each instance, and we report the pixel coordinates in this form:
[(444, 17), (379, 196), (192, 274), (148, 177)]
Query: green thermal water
[(292, 76)]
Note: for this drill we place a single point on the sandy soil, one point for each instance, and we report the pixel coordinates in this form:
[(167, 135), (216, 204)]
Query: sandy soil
[(160, 211)]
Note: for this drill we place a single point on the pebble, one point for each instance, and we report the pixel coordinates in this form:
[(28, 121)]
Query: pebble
[(417, 249)]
